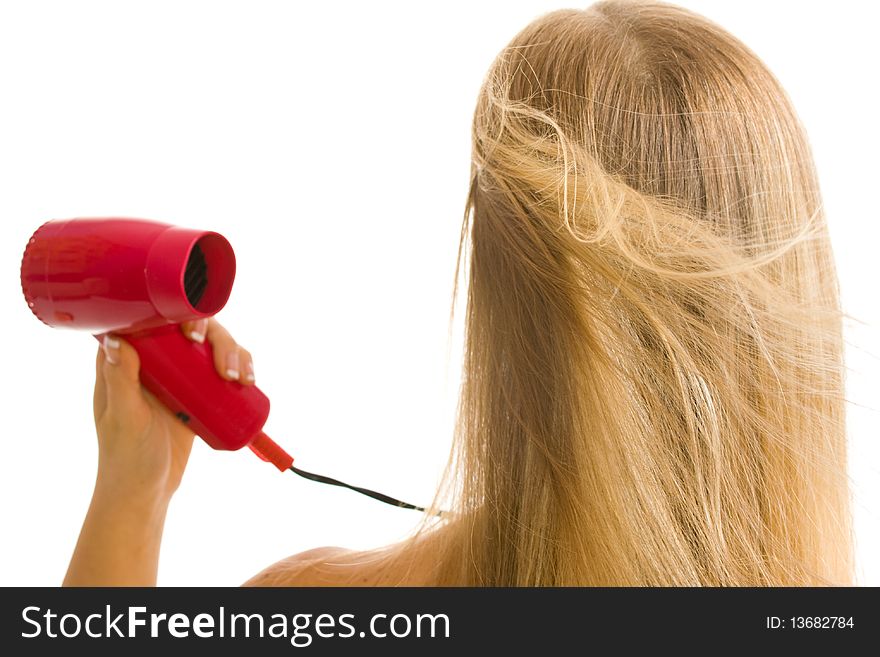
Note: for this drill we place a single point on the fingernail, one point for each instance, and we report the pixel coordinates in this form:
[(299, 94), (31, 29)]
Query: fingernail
[(232, 364), (110, 348), (199, 331), (250, 371)]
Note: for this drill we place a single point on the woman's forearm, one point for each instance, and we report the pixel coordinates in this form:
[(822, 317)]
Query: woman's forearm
[(119, 541)]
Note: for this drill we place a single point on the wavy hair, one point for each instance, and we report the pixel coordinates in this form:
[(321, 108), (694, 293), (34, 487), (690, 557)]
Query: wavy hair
[(652, 387)]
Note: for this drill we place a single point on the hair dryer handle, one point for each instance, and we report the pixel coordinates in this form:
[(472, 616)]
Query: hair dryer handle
[(181, 374)]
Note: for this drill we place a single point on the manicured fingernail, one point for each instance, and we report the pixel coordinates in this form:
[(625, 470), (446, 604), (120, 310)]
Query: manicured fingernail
[(232, 364), (199, 331), (250, 371), (111, 345)]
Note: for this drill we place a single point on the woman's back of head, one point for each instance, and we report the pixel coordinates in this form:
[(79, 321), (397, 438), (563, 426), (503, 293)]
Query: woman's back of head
[(652, 387)]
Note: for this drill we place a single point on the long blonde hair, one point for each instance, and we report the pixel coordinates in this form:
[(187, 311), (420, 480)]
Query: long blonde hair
[(652, 385)]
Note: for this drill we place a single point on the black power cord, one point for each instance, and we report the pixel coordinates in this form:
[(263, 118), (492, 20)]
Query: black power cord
[(364, 491)]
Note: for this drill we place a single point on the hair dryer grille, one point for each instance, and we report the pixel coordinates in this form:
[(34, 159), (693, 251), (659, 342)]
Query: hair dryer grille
[(195, 279)]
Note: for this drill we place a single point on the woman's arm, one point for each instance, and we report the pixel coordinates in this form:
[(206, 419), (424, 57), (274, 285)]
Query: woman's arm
[(119, 541), (142, 454)]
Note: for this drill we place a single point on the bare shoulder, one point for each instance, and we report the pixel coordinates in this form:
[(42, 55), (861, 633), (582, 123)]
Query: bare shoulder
[(297, 570), (394, 565)]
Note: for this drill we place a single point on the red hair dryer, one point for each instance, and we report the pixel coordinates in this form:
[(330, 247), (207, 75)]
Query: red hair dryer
[(141, 278)]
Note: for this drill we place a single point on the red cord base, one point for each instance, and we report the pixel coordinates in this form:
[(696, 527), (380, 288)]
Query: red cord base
[(268, 450)]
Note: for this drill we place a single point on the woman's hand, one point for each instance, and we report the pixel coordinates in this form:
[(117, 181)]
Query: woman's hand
[(142, 453), (143, 448)]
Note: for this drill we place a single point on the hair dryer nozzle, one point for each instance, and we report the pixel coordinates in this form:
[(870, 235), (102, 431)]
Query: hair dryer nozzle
[(124, 275)]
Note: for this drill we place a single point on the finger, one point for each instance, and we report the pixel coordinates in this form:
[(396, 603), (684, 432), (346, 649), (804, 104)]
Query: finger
[(99, 398), (247, 366), (121, 367), (196, 330), (227, 359)]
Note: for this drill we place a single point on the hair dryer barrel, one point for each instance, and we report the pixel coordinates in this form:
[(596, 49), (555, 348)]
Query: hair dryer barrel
[(124, 275)]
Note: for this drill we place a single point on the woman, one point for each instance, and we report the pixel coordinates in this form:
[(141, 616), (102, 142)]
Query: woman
[(653, 377)]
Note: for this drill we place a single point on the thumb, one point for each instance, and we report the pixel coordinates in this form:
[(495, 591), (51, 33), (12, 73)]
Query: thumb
[(121, 369)]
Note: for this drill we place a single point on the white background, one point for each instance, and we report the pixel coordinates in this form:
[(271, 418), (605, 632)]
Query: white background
[(329, 142)]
